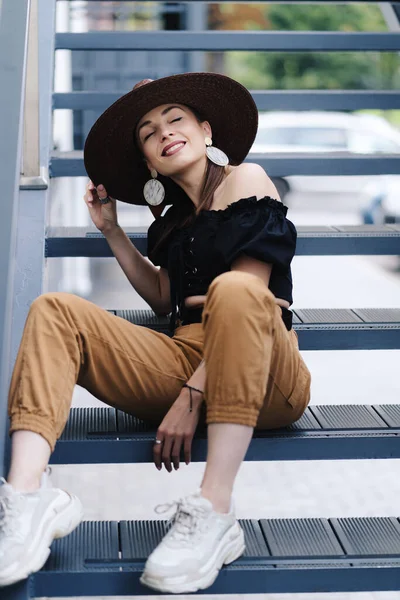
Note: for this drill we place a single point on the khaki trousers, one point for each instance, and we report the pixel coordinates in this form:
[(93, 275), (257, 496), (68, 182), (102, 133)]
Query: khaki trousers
[(255, 373)]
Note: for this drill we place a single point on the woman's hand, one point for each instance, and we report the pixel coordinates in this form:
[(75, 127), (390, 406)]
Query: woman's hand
[(104, 216), (178, 426)]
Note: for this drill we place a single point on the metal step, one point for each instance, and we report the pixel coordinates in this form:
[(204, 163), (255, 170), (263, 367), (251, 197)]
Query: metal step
[(264, 99), (70, 164), (106, 435), (312, 240), (282, 555), (317, 328), (274, 41)]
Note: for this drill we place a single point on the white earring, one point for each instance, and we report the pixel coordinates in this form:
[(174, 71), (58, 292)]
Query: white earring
[(216, 155), (154, 191)]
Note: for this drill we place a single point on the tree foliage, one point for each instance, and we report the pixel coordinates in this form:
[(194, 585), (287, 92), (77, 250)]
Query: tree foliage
[(313, 70)]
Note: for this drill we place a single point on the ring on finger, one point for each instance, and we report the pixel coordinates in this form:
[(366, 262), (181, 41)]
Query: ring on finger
[(105, 200), (158, 441)]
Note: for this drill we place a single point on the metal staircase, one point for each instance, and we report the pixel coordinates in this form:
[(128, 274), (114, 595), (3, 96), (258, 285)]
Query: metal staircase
[(283, 555)]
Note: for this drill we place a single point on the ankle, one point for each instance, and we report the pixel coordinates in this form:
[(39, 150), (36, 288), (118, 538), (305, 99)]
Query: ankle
[(25, 485), (220, 500)]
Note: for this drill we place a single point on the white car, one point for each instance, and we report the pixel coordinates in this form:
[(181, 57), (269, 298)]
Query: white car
[(318, 131)]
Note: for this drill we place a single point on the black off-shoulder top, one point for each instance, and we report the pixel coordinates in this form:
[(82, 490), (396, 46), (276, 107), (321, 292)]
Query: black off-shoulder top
[(196, 254)]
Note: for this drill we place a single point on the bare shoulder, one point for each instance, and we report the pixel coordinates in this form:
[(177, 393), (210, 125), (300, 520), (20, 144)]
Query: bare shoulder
[(246, 180)]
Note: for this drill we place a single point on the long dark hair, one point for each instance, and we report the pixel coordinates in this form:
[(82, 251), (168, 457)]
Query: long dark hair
[(184, 212)]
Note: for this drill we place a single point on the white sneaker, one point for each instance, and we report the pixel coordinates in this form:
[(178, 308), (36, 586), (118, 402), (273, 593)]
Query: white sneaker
[(29, 522), (193, 551)]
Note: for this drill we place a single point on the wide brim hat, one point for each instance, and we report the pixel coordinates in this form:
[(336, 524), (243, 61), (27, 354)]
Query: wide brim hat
[(112, 157)]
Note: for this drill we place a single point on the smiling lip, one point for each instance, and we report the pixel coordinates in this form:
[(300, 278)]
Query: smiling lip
[(171, 145)]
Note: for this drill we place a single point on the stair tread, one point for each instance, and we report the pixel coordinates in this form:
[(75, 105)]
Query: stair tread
[(70, 164), (312, 240), (391, 229), (106, 435), (333, 554), (317, 328)]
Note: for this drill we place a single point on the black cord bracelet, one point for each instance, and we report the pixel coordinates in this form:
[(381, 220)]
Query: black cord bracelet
[(190, 388)]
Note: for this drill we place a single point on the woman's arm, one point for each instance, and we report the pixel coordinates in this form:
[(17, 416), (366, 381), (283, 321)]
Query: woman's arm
[(151, 283), (198, 380)]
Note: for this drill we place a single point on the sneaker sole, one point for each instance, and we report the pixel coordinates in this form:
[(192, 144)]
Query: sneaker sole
[(227, 552), (63, 524)]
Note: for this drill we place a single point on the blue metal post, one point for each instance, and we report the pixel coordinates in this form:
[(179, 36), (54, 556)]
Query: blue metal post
[(30, 255), (13, 44)]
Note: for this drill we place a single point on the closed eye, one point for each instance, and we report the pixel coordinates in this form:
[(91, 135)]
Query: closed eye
[(150, 134)]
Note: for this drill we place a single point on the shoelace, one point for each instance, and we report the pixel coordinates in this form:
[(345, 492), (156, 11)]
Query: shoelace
[(186, 521)]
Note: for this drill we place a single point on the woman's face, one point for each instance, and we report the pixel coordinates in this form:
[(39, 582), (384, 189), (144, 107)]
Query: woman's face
[(171, 138)]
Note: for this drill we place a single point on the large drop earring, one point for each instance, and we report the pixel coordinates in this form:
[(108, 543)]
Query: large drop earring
[(217, 156), (154, 191)]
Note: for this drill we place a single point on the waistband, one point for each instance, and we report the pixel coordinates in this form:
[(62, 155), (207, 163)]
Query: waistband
[(194, 315)]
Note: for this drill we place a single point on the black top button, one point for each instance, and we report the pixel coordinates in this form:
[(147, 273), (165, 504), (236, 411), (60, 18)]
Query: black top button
[(191, 252), (194, 270), (192, 239)]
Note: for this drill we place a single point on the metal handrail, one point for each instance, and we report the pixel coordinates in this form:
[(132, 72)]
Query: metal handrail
[(32, 175)]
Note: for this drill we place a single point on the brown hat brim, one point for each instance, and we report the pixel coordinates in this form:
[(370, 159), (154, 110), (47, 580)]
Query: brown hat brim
[(112, 157)]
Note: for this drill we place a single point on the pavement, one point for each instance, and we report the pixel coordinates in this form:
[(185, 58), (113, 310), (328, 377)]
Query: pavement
[(276, 489)]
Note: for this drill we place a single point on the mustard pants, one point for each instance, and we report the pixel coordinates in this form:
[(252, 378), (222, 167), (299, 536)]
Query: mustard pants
[(255, 373)]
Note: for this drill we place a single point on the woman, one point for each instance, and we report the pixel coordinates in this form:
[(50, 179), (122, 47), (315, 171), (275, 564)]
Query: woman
[(224, 250)]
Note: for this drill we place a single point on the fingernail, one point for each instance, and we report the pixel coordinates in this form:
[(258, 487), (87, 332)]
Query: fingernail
[(100, 187)]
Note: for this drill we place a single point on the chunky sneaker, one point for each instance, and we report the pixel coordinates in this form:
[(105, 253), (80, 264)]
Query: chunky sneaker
[(29, 522), (193, 551)]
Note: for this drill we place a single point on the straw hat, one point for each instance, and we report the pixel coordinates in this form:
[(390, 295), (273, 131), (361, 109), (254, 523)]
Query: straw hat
[(111, 155)]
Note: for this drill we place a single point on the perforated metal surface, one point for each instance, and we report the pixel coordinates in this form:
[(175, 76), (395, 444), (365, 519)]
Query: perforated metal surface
[(103, 541), (303, 229), (379, 315), (362, 229), (146, 318), (139, 538), (306, 422), (82, 422), (390, 413), (368, 535), (254, 538), (327, 315), (313, 240), (300, 537), (283, 555), (323, 433), (95, 540), (129, 424), (348, 416)]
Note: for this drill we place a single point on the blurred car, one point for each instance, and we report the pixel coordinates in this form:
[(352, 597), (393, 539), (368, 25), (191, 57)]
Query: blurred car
[(383, 205), (318, 131)]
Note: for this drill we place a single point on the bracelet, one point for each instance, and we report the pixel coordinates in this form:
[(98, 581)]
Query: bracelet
[(190, 388)]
